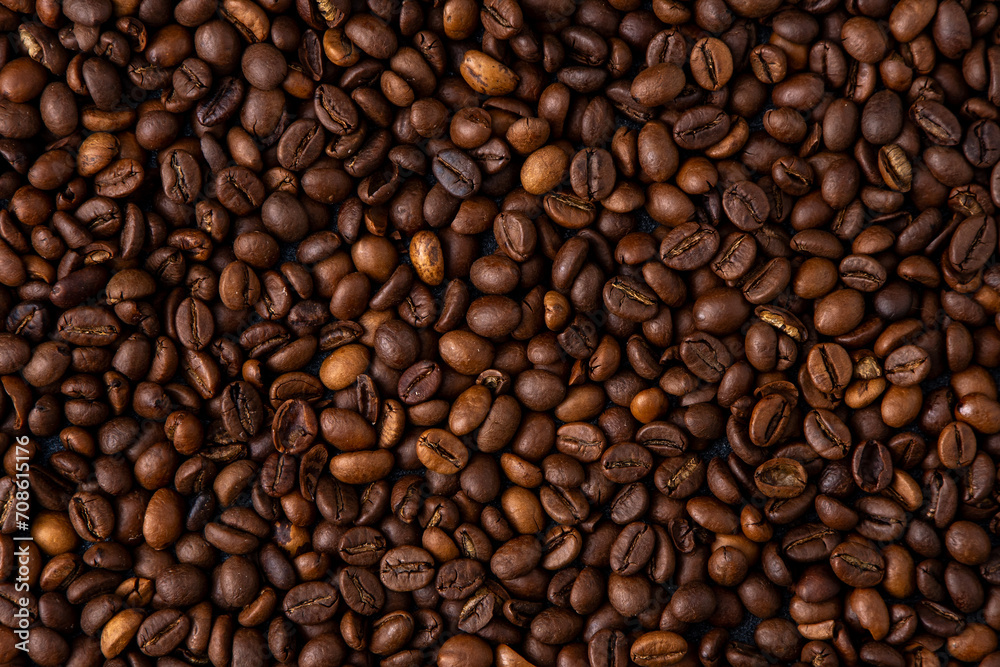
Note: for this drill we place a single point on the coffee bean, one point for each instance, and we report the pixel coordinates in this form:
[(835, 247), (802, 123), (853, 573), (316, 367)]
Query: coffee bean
[(810, 542), (419, 382), (242, 412), (936, 121), (780, 478), (705, 356), (310, 603), (119, 631), (441, 452), (746, 205), (701, 127), (630, 299), (427, 257), (162, 631), (830, 367), (465, 650), (406, 568), (827, 434), (769, 420), (92, 516), (956, 445), (361, 590), (391, 632), (711, 63), (862, 273), (689, 246), (457, 173), (966, 249), (658, 648), (486, 75), (857, 564), (658, 84)]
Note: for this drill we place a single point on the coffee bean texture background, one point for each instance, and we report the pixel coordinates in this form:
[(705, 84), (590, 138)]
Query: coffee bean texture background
[(528, 333)]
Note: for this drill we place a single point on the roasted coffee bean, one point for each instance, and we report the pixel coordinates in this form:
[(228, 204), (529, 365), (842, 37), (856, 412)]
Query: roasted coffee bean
[(630, 299), (956, 445), (937, 122), (769, 420), (689, 246), (872, 466), (441, 452), (830, 367), (310, 603), (711, 63), (92, 516), (700, 127), (747, 205), (780, 478), (658, 648), (361, 590), (419, 382), (162, 631), (406, 568), (827, 434), (457, 173), (592, 174)]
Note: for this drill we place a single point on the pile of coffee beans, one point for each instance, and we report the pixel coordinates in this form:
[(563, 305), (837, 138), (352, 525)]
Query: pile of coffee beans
[(535, 333)]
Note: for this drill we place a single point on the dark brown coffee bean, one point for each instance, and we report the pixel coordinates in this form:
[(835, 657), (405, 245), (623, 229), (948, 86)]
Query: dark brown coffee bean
[(162, 631), (592, 174), (406, 568), (956, 445), (830, 367), (658, 648), (810, 542), (361, 590), (310, 603), (746, 205), (419, 382), (780, 478), (827, 434), (689, 246), (936, 121), (441, 452), (242, 411), (862, 272), (457, 173), (705, 356), (630, 299), (700, 127), (769, 421), (711, 63), (632, 549), (857, 564)]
